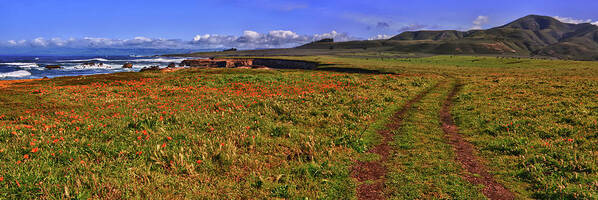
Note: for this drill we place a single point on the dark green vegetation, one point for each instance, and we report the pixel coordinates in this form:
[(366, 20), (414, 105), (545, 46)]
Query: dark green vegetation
[(529, 36), (233, 134)]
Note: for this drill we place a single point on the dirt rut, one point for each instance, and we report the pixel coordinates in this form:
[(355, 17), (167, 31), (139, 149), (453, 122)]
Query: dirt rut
[(374, 171), (466, 156)]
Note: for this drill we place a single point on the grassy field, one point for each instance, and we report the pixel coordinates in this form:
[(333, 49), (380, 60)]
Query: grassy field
[(235, 134)]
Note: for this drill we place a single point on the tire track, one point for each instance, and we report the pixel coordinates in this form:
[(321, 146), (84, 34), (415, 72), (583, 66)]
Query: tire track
[(374, 171), (465, 153)]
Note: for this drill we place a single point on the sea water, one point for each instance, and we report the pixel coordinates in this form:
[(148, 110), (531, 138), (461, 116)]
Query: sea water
[(32, 67)]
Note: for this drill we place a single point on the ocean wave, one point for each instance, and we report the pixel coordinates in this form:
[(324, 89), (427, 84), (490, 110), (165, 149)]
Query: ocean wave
[(18, 64), (86, 60), (104, 66), (148, 60), (153, 60), (95, 66), (161, 60), (15, 74), (22, 65)]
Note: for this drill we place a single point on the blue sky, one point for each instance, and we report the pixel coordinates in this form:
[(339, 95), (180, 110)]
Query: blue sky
[(253, 23)]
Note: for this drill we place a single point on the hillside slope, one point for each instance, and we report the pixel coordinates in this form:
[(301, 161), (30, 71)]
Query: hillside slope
[(528, 36)]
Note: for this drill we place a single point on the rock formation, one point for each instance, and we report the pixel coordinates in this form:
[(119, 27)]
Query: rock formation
[(249, 63), (151, 68), (53, 66)]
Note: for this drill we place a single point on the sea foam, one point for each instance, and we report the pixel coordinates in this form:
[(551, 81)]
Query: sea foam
[(86, 60), (15, 74), (22, 65)]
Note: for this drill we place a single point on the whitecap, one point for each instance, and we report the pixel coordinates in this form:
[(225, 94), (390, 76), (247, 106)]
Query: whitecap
[(86, 60), (154, 60), (161, 60), (22, 65), (15, 74), (94, 66)]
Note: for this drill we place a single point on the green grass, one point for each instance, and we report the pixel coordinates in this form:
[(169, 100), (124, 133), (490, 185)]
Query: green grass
[(234, 134), (192, 134), (423, 166), (539, 132), (533, 121)]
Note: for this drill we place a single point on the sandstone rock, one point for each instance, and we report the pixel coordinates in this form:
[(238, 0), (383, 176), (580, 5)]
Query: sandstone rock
[(128, 65), (172, 65)]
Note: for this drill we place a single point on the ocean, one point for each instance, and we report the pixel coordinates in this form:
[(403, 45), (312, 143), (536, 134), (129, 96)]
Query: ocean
[(32, 67)]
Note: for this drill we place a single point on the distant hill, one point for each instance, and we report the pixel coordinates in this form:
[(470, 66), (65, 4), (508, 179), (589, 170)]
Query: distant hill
[(532, 35)]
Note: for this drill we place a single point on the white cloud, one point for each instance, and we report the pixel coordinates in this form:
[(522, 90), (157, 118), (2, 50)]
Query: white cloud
[(479, 22), (380, 37), (248, 40), (40, 42), (272, 39), (572, 20), (251, 34), (143, 39), (283, 34), (575, 21), (58, 41)]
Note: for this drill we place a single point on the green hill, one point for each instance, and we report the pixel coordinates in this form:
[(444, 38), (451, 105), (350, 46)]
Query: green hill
[(532, 35)]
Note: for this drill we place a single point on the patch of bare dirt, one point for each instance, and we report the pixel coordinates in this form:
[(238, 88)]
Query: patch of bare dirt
[(375, 171), (466, 154)]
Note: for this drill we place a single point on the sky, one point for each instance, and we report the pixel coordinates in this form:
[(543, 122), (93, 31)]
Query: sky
[(251, 24)]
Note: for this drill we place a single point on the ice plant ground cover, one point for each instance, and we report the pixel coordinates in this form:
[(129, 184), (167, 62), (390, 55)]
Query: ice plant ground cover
[(231, 134)]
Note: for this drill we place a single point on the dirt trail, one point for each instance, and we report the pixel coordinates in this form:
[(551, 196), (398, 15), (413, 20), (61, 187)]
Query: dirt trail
[(465, 154), (374, 171)]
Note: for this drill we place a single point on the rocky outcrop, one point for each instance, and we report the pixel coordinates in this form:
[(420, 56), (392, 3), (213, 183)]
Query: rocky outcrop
[(172, 65), (250, 63), (53, 66), (92, 64), (128, 65), (205, 63), (151, 68)]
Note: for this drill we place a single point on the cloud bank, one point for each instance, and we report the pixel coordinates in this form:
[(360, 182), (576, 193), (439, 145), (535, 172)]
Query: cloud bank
[(575, 21), (272, 39), (248, 40)]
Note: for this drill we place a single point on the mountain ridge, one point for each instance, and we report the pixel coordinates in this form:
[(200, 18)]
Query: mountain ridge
[(532, 35)]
